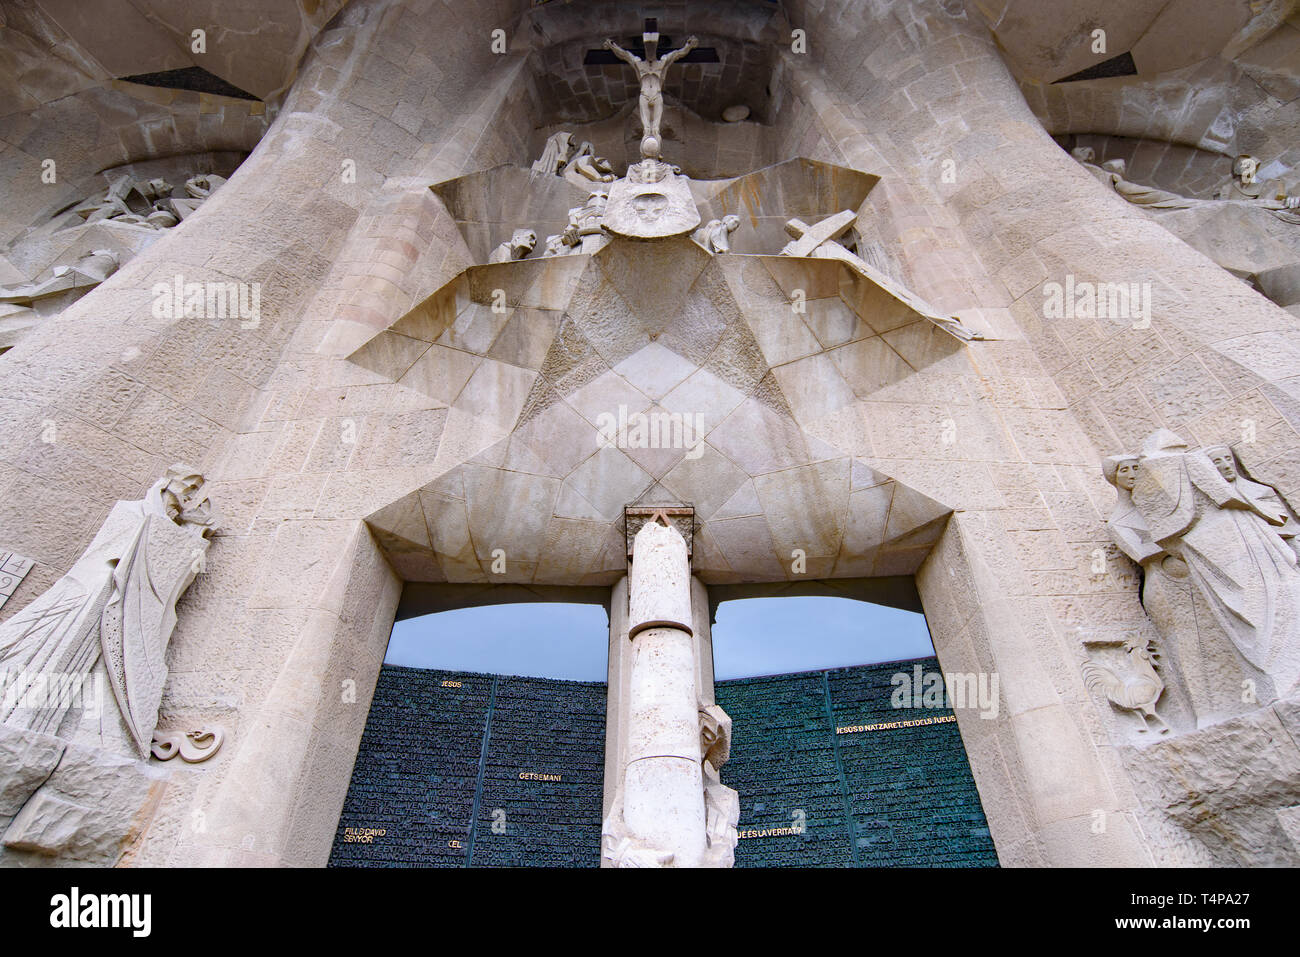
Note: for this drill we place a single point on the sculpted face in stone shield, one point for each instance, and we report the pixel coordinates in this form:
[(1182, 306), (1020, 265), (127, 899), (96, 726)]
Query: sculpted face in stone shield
[(650, 207)]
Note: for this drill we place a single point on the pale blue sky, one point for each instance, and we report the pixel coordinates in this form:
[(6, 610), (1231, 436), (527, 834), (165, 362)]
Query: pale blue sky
[(752, 636)]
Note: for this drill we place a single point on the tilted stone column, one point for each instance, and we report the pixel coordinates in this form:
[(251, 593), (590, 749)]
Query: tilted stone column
[(663, 791), (660, 815)]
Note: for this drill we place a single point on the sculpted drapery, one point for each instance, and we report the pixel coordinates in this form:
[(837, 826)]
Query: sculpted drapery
[(114, 609), (1221, 581)]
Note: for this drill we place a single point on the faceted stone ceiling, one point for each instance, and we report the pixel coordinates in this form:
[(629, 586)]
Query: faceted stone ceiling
[(762, 359)]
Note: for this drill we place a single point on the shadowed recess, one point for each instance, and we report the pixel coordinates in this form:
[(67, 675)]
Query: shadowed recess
[(193, 78)]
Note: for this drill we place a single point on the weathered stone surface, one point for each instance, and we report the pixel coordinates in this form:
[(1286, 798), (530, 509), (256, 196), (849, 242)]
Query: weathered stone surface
[(27, 758), (90, 810), (1233, 786)]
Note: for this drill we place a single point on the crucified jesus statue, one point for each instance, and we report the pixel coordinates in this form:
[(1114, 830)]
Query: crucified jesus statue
[(651, 72)]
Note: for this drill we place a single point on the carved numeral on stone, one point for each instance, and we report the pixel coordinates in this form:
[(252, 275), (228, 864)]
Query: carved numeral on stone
[(1248, 695), (1098, 821), (1098, 561), (1248, 431), (348, 691), (949, 173), (799, 302), (349, 171)]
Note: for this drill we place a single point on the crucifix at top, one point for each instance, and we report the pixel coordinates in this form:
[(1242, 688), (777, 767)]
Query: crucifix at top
[(651, 72)]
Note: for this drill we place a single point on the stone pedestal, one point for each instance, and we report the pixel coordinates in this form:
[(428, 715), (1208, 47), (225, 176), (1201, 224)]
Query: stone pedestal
[(652, 202), (63, 803), (1232, 789)]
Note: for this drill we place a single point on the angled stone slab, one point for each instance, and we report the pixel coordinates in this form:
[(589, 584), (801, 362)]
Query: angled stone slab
[(808, 238)]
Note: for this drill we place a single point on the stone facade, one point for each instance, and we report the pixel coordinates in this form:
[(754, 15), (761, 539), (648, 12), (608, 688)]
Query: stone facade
[(378, 405)]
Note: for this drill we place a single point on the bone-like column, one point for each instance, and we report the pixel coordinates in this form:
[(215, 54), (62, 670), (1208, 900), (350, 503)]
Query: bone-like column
[(663, 788)]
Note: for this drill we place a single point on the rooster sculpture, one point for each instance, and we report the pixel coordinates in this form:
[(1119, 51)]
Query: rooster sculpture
[(1137, 691)]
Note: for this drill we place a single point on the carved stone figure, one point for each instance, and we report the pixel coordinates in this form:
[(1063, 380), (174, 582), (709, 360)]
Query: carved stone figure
[(203, 185), (651, 72), (721, 803), (518, 246), (1136, 689), (578, 164), (554, 154), (1127, 526), (1221, 583), (1240, 187), (154, 203), (1243, 186), (86, 273), (197, 190), (715, 235), (1111, 174), (584, 232), (1114, 172), (1265, 498), (587, 168), (112, 612)]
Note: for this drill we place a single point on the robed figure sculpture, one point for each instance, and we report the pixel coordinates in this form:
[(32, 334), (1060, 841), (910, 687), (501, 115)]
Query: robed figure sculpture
[(1221, 579), (113, 612)]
